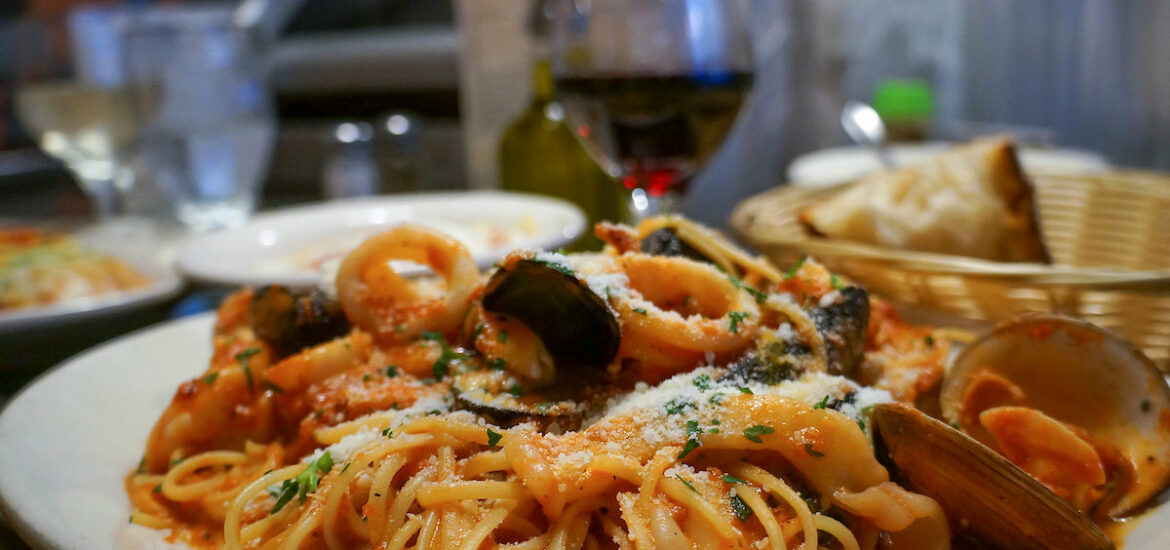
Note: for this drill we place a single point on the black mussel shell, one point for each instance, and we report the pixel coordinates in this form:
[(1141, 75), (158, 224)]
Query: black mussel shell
[(665, 242), (844, 324), (575, 325), (290, 321)]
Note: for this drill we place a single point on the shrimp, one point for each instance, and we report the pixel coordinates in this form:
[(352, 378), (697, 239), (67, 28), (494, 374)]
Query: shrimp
[(394, 310)]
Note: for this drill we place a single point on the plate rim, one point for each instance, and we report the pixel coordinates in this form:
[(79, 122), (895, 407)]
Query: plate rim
[(188, 247), (165, 286), (24, 528)]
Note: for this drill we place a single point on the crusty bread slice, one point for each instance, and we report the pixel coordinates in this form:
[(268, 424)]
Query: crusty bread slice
[(972, 200)]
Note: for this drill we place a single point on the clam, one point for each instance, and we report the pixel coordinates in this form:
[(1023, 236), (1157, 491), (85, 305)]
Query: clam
[(293, 320), (983, 494), (1042, 389), (575, 325)]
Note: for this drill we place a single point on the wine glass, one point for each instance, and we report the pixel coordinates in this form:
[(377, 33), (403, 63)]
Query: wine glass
[(71, 97), (652, 87)]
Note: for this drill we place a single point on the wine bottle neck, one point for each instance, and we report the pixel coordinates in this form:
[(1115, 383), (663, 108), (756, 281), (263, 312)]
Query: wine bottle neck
[(543, 90)]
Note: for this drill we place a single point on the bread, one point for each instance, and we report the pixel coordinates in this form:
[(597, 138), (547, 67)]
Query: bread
[(972, 200)]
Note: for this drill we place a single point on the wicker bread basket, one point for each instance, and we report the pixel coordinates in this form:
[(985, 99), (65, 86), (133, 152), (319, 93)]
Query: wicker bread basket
[(1109, 236)]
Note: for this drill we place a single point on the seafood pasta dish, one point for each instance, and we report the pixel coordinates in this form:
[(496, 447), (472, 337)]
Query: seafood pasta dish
[(671, 391), (40, 268)]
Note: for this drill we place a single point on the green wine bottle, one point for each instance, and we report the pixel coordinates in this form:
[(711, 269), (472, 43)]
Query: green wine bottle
[(538, 154)]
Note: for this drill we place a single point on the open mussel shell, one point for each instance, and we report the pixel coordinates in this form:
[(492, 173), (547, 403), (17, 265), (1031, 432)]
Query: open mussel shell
[(982, 493), (1082, 375), (575, 325)]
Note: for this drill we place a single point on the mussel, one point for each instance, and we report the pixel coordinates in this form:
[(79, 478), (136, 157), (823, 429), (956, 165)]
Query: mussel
[(983, 494), (666, 242), (293, 320), (572, 325), (1078, 407), (575, 325)]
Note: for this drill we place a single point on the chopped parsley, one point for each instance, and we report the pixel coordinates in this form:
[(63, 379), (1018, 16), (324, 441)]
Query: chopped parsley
[(493, 438), (157, 488), (690, 445), (640, 311), (305, 482), (715, 398), (687, 483), (502, 336), (210, 379), (674, 406), (929, 340), (442, 365), (795, 268), (747, 390), (388, 433), (861, 424), (243, 357), (835, 282), (737, 317), (808, 448), (365, 378), (555, 266), (824, 402), (498, 363), (693, 428), (516, 389), (431, 335), (728, 478), (391, 371), (739, 507), (758, 295), (702, 381), (753, 433)]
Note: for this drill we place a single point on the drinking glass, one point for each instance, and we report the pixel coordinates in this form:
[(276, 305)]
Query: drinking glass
[(71, 96), (652, 87), (199, 85)]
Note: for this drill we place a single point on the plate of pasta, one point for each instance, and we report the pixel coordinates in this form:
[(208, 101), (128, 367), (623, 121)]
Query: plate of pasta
[(49, 277), (671, 391)]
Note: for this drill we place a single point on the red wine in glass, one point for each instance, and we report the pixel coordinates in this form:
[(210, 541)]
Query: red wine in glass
[(654, 132)]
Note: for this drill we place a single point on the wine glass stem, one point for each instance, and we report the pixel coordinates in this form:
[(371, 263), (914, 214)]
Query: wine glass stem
[(643, 205)]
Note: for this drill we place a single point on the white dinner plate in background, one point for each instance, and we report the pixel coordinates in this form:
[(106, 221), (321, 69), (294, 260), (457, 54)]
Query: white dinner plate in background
[(293, 246)]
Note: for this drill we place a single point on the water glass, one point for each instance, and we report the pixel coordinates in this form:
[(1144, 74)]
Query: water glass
[(199, 85)]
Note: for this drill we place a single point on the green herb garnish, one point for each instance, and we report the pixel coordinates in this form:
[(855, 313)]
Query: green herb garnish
[(305, 482), (824, 402), (737, 317), (493, 438), (687, 483), (795, 268), (808, 448), (740, 508), (640, 311), (391, 371), (753, 433), (728, 478), (674, 406), (243, 357), (702, 381), (210, 379)]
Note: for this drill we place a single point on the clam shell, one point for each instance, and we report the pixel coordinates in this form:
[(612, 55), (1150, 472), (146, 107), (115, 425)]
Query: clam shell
[(1082, 375), (980, 491)]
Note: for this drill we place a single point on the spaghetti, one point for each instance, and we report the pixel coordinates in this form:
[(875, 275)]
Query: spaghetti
[(366, 442)]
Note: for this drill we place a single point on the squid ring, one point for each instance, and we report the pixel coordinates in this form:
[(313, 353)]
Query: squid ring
[(724, 318), (393, 309)]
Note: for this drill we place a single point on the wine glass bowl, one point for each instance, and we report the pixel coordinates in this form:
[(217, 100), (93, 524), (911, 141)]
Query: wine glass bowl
[(652, 87), (72, 99)]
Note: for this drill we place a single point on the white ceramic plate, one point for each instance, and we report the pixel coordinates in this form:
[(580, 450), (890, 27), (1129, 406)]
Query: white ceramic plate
[(838, 165), (137, 243), (71, 437), (291, 246)]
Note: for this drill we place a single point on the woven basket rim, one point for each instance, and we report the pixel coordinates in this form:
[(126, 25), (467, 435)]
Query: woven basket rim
[(937, 263)]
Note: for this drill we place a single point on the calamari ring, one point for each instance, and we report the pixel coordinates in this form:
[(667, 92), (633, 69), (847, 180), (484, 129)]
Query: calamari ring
[(393, 309), (724, 319)]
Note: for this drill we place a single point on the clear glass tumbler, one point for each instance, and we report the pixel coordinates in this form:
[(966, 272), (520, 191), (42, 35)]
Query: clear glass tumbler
[(199, 84)]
